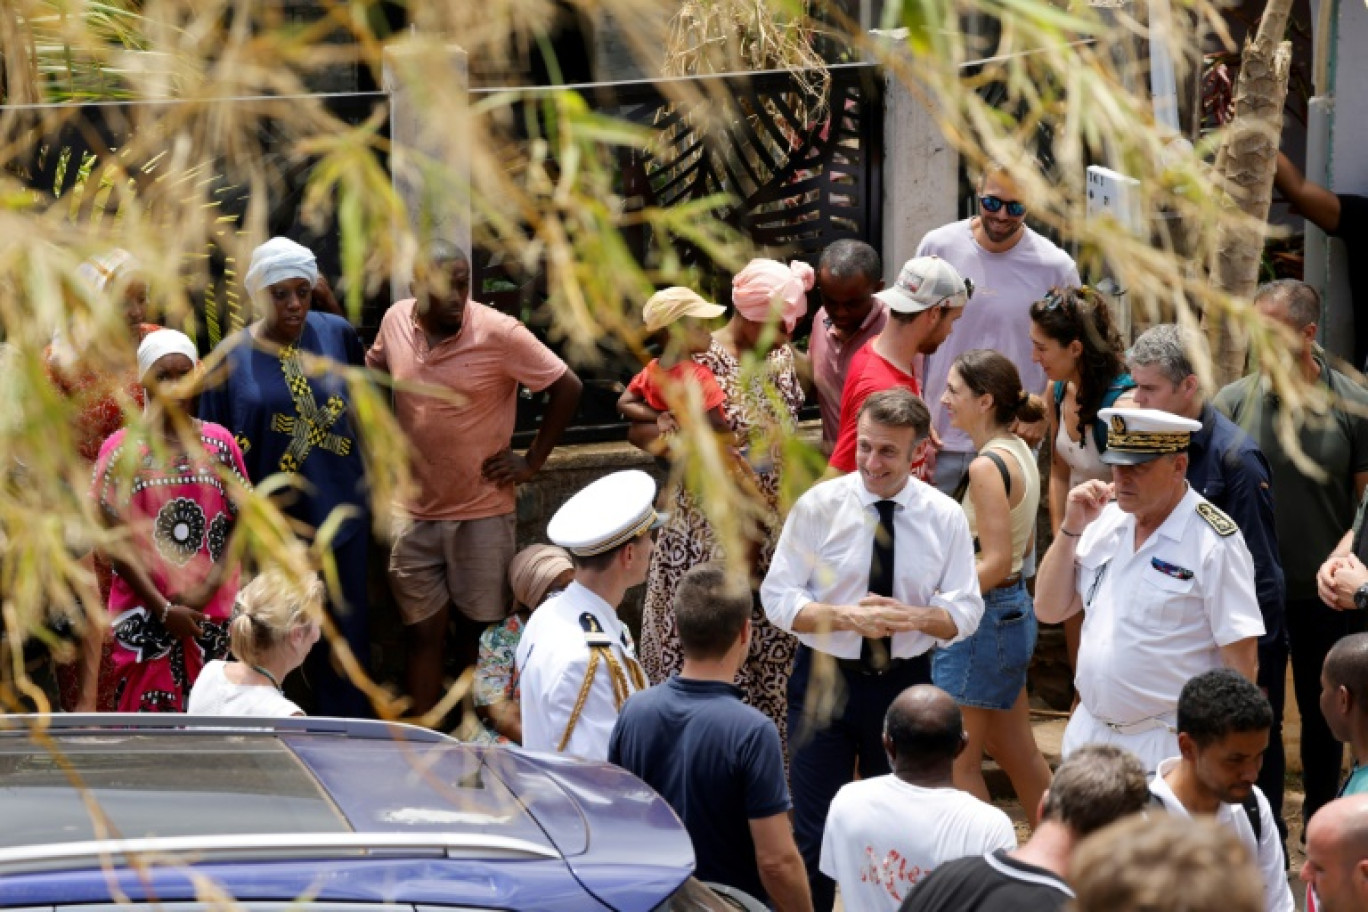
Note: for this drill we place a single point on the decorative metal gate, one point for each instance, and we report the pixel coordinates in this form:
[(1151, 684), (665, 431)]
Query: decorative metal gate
[(801, 171)]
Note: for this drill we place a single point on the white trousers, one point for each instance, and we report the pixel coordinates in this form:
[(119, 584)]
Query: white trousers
[(1152, 747)]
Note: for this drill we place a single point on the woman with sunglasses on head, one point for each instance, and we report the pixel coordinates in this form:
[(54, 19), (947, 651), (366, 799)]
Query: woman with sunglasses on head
[(1074, 341)]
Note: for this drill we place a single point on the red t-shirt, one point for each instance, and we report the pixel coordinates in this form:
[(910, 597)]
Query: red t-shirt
[(870, 372), (654, 382)]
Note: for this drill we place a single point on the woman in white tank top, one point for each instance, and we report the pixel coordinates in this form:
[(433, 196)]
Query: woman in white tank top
[(1075, 343), (986, 672), (274, 625)]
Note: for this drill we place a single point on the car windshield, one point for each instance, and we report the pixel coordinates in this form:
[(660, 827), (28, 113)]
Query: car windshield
[(146, 785)]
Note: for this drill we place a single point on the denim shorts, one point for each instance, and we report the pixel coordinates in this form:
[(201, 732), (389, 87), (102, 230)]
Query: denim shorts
[(988, 670)]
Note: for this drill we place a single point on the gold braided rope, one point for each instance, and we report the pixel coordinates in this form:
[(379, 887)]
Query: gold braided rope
[(638, 676), (1148, 442), (621, 689), (579, 701)]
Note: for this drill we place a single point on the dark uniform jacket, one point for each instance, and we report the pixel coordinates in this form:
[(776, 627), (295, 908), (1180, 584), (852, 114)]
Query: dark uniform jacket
[(1227, 467)]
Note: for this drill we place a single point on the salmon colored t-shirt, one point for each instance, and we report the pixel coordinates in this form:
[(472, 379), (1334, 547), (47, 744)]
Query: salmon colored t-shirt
[(483, 366), (654, 383)]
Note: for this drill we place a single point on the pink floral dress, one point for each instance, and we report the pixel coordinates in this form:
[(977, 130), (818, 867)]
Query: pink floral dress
[(181, 516)]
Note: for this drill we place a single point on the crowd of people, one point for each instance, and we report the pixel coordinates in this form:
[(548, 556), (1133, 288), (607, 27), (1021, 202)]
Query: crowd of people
[(818, 708)]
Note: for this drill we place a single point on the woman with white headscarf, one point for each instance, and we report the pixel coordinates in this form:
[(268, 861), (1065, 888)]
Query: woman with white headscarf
[(173, 492), (98, 380), (762, 403), (293, 416)]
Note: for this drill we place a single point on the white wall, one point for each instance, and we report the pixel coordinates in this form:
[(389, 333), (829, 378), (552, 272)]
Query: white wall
[(1349, 131)]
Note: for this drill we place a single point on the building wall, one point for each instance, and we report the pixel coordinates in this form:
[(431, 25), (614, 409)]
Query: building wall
[(1349, 128)]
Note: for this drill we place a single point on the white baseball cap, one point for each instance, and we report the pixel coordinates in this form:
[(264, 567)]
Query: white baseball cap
[(926, 282)]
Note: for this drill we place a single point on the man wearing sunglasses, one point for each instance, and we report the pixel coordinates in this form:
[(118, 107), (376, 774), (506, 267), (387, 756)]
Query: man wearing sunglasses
[(1010, 266)]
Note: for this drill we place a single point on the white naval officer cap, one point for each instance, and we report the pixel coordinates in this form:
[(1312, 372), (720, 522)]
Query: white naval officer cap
[(606, 514), (1136, 435)]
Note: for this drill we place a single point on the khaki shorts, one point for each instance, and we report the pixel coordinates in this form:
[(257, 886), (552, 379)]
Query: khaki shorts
[(462, 562)]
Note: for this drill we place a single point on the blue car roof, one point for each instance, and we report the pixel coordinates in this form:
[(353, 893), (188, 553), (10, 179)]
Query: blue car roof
[(336, 782)]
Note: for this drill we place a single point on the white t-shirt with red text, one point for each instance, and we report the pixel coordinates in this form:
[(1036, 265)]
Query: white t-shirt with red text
[(883, 835)]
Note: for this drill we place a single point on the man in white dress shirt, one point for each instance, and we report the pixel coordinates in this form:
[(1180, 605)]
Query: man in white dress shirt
[(872, 570), (1223, 729), (576, 661), (1167, 582)]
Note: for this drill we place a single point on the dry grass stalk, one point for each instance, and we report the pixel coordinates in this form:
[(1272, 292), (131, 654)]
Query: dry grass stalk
[(543, 188)]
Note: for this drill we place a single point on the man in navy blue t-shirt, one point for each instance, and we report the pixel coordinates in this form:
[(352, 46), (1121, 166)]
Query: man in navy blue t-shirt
[(716, 760)]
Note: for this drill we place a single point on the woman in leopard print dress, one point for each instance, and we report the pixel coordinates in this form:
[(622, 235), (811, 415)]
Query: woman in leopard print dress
[(757, 401)]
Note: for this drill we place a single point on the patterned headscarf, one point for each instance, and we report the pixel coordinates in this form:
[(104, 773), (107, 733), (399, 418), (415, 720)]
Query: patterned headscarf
[(757, 288)]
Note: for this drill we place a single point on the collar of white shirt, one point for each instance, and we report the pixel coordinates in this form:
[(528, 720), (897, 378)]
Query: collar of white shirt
[(582, 597), (1175, 524), (868, 498)]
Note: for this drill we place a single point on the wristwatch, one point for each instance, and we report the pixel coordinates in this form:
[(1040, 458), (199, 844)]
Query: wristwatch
[(1361, 597)]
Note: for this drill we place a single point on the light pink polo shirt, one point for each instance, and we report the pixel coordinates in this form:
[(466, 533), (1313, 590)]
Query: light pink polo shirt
[(482, 365), (831, 361)]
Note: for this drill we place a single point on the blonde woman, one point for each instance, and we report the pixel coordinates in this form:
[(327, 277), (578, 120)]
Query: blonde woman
[(275, 624)]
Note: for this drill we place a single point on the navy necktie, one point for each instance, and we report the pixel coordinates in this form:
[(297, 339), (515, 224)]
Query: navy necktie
[(876, 654)]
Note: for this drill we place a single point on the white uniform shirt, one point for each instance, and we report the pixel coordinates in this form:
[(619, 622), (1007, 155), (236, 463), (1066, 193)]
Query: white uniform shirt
[(883, 835), (552, 660), (1267, 849), (1157, 617), (824, 552)]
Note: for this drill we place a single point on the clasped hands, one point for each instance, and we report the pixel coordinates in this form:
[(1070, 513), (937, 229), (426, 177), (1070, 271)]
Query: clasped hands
[(877, 616), (1338, 579)]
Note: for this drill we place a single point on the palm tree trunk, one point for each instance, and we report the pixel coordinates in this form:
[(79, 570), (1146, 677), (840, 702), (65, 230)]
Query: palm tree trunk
[(1244, 167)]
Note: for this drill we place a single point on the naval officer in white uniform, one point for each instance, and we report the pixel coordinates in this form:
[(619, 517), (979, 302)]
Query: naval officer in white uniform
[(1166, 582), (576, 662)]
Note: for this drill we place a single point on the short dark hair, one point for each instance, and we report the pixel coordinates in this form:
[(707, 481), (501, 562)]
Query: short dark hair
[(1346, 665), (596, 563), (710, 611), (848, 257), (898, 407), (1303, 301), (1096, 785), (932, 731), (1219, 702)]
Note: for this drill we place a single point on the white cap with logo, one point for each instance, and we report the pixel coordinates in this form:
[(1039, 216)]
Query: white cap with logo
[(924, 283), (1138, 435)]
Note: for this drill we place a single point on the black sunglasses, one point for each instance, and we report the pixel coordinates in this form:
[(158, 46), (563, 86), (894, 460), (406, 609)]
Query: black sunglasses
[(1072, 298), (1015, 208)]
